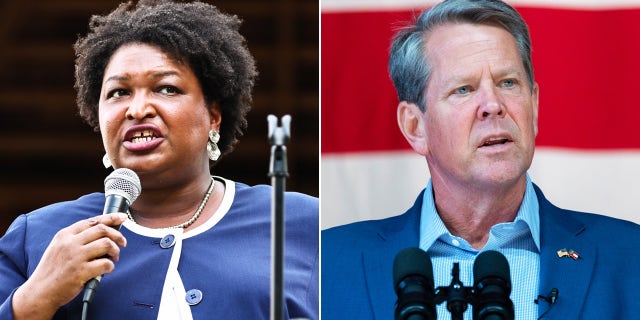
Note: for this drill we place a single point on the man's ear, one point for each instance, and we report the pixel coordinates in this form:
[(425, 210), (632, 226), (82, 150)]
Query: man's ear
[(535, 96), (216, 116), (411, 121)]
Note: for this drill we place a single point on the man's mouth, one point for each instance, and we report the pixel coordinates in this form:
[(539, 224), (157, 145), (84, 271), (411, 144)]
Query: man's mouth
[(494, 141)]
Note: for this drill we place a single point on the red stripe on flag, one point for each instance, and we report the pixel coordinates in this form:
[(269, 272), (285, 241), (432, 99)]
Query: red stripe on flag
[(586, 63), (358, 100)]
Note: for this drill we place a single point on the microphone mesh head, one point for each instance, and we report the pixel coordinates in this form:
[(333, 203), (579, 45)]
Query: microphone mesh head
[(491, 264), (123, 182), (411, 261)]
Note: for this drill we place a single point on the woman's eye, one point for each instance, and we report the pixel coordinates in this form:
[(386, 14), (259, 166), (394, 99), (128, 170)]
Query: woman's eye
[(117, 93), (169, 90)]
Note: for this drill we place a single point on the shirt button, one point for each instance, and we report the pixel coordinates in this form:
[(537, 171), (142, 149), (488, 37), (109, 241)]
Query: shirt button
[(167, 241), (455, 242), (193, 297)]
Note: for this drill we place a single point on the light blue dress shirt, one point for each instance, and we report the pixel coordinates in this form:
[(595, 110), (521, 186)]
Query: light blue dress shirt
[(519, 241)]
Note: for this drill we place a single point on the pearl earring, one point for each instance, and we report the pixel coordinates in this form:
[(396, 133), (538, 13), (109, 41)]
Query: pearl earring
[(106, 162)]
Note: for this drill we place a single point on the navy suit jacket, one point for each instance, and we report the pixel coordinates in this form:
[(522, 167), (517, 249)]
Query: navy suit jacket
[(357, 265)]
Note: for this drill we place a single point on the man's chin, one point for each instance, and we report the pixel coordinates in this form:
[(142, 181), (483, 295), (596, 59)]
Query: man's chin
[(501, 176)]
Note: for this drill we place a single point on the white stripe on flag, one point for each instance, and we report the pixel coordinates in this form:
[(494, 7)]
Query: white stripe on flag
[(386, 5), (362, 186)]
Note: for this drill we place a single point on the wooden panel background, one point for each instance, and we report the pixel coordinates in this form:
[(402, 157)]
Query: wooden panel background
[(47, 154)]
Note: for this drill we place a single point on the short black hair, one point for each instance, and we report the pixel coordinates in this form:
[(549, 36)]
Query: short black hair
[(196, 34)]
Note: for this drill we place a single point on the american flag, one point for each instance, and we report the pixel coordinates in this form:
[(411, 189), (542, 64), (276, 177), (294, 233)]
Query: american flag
[(586, 57)]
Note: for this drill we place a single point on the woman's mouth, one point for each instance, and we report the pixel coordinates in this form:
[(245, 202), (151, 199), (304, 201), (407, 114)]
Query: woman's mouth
[(142, 139), (142, 136)]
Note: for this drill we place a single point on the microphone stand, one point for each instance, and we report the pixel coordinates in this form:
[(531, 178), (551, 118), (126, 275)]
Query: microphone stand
[(278, 137)]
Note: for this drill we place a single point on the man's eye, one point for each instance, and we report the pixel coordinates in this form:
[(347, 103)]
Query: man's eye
[(508, 83), (463, 90)]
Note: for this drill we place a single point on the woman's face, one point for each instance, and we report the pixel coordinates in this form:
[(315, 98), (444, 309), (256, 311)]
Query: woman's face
[(153, 115)]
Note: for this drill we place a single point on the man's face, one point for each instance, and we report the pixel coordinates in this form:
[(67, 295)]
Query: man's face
[(481, 114)]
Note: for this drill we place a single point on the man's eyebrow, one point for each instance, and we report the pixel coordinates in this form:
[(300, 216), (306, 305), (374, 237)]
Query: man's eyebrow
[(509, 71)]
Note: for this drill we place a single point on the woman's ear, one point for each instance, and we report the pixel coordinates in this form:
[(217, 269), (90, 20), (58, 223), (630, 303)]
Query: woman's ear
[(216, 116), (411, 121)]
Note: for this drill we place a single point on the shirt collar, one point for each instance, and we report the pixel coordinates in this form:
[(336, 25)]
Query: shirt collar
[(432, 227)]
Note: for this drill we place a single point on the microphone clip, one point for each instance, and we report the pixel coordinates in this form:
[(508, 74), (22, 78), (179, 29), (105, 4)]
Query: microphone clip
[(456, 294), (550, 299), (487, 301), (279, 135)]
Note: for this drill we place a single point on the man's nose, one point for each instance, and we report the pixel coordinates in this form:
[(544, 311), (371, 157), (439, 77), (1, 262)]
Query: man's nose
[(489, 103)]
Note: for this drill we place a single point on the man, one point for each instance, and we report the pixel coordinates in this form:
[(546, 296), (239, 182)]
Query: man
[(469, 105)]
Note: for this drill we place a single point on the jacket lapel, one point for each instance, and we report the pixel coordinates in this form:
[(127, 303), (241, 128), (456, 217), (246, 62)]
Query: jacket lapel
[(558, 231), (402, 232)]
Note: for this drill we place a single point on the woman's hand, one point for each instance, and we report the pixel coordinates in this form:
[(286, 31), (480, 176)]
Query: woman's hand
[(77, 253)]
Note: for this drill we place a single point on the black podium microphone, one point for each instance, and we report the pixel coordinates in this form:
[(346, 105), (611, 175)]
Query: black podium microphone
[(121, 189), (492, 287), (413, 283)]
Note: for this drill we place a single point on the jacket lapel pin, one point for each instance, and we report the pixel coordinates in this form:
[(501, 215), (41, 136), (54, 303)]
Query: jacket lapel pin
[(571, 254)]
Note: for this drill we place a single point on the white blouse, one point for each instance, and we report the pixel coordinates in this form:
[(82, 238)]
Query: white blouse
[(174, 304)]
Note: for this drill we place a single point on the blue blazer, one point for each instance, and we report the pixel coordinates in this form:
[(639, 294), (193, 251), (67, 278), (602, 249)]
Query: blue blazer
[(229, 263), (357, 265)]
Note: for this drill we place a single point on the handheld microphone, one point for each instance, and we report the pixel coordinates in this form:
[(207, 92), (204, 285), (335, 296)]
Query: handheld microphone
[(492, 287), (121, 189), (413, 283)]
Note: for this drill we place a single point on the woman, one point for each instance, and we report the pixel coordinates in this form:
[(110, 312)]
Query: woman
[(168, 87)]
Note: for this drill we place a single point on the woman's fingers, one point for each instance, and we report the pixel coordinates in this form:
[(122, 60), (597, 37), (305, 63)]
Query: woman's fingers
[(77, 253), (101, 227)]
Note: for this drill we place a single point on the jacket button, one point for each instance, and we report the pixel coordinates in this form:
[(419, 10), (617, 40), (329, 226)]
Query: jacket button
[(167, 241), (193, 297)]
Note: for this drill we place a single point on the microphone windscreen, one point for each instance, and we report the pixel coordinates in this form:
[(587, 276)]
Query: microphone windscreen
[(490, 264), (411, 261), (123, 182)]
